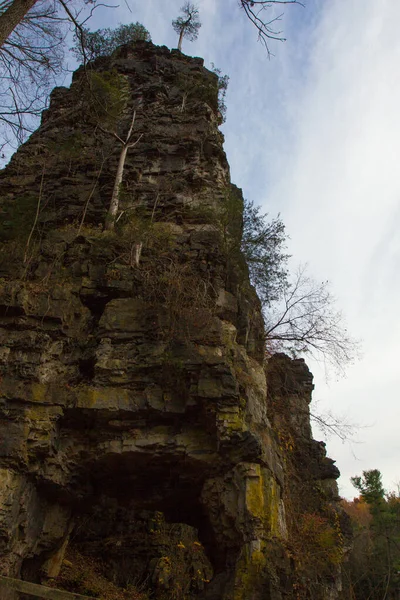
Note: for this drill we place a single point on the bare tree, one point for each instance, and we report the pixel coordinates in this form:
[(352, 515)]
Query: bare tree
[(300, 314), (12, 13), (266, 25), (306, 320), (330, 424), (188, 25), (32, 45), (108, 95), (114, 203), (30, 61)]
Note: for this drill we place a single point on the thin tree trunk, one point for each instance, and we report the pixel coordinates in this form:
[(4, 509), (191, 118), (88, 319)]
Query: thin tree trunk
[(180, 40), (90, 196), (13, 17), (138, 253), (114, 204), (113, 208), (36, 216)]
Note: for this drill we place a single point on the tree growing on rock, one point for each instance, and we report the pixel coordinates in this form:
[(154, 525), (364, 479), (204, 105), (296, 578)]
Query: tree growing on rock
[(223, 82), (263, 245), (126, 144), (188, 24), (300, 314), (306, 320), (103, 42), (108, 96), (32, 44)]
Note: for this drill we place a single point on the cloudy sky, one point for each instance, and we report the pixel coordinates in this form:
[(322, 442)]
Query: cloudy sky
[(314, 134)]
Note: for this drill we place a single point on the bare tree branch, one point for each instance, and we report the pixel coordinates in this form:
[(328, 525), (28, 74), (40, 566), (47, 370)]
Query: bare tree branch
[(255, 12), (32, 50), (307, 320)]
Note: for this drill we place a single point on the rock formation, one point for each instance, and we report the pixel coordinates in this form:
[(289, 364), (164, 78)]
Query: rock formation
[(140, 433)]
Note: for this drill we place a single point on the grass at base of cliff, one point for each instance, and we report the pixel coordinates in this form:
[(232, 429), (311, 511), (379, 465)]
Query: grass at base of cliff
[(176, 565), (84, 575)]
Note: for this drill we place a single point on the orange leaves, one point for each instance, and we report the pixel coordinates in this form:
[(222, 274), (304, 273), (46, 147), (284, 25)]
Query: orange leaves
[(358, 511)]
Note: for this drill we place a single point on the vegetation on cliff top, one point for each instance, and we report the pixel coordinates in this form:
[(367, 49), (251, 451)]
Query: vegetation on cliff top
[(90, 45), (33, 38)]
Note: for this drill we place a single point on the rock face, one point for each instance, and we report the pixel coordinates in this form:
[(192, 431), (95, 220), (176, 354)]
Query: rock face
[(139, 427)]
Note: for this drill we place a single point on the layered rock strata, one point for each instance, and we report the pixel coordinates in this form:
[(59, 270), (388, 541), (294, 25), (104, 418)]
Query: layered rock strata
[(136, 428)]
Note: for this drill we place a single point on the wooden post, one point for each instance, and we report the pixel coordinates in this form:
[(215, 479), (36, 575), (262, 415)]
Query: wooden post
[(40, 591)]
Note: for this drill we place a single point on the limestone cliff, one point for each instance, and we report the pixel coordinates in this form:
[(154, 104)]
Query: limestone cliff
[(141, 438)]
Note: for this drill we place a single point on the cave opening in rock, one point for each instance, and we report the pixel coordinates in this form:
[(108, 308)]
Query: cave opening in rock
[(141, 524)]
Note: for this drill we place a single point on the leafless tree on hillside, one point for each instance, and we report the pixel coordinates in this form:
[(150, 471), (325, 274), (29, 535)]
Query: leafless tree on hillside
[(306, 320)]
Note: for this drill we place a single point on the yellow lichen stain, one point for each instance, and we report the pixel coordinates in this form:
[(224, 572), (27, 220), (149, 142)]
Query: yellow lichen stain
[(9, 484), (47, 393), (274, 502), (167, 397), (250, 573), (255, 499), (229, 331), (232, 421), (91, 398), (37, 413), (263, 499), (107, 397), (39, 392)]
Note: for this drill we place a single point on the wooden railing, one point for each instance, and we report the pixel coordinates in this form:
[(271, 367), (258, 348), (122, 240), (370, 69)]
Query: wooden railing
[(39, 591)]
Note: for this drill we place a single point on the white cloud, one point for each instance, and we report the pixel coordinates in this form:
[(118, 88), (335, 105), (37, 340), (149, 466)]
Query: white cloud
[(342, 190)]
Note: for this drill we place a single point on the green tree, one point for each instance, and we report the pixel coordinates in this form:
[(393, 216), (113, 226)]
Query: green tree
[(102, 42), (370, 486), (187, 25), (263, 245), (223, 82), (375, 558)]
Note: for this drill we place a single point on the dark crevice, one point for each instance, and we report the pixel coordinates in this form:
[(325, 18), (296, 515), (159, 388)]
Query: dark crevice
[(96, 305), (87, 368), (31, 569), (11, 311)]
